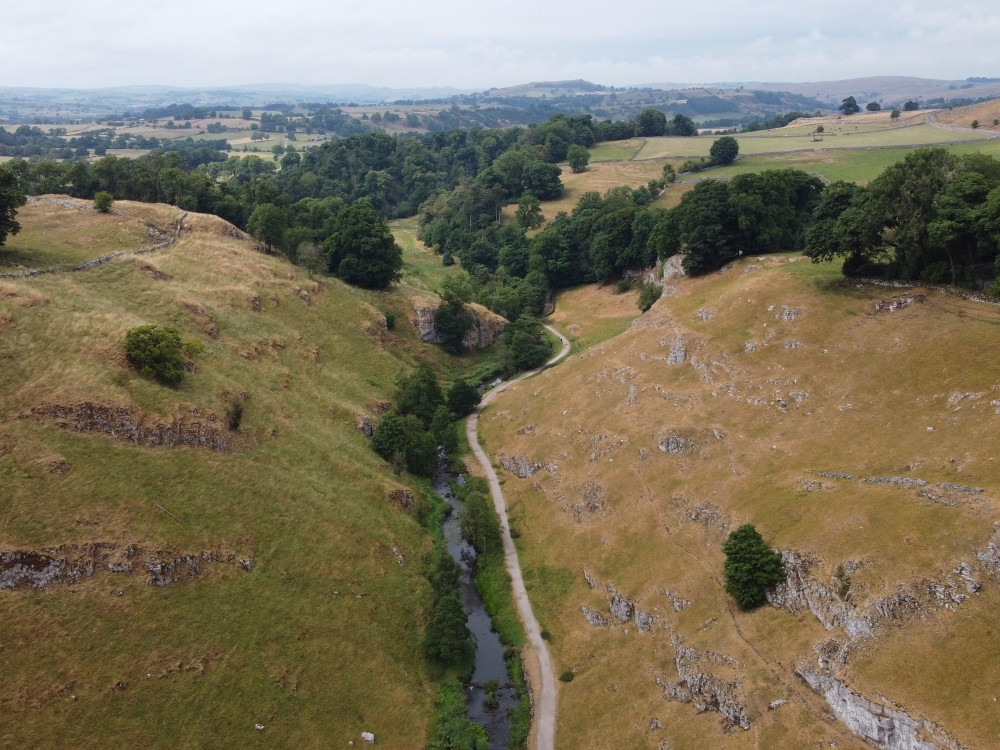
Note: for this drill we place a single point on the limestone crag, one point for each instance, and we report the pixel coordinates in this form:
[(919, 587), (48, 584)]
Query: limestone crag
[(486, 326), (706, 691), (801, 591), (519, 466), (884, 727), (192, 429), (38, 569)]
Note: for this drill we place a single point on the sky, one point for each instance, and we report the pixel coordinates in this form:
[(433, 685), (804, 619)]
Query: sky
[(470, 44)]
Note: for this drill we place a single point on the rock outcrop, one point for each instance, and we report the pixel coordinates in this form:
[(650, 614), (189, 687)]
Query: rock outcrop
[(38, 569), (486, 326), (874, 722), (706, 691), (192, 429)]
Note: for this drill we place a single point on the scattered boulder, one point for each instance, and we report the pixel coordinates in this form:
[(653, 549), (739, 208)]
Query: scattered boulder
[(519, 466)]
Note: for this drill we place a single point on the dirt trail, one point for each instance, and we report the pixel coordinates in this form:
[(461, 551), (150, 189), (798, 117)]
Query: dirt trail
[(545, 692)]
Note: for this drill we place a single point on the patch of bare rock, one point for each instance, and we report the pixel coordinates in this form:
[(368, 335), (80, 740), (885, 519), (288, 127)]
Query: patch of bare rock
[(193, 428), (67, 564)]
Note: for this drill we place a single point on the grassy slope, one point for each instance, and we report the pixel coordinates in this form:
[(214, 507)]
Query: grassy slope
[(321, 640), (875, 383)]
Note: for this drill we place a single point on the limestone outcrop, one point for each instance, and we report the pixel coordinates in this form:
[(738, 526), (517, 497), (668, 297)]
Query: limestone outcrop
[(486, 326)]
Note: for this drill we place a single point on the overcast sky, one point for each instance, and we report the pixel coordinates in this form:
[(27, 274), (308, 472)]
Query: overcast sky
[(477, 45)]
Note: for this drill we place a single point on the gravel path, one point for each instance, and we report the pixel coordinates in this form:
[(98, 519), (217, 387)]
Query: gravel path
[(545, 693)]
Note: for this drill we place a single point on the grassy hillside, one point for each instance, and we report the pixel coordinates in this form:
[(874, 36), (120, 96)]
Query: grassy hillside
[(770, 393), (299, 595)]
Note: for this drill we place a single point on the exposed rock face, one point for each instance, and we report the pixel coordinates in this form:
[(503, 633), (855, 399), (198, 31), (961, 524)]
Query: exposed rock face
[(486, 326), (193, 429), (69, 563), (519, 466), (705, 690), (880, 725)]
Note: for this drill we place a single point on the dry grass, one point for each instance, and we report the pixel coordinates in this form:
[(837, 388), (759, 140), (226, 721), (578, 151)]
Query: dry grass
[(600, 177), (54, 235), (318, 641), (870, 385), (986, 112)]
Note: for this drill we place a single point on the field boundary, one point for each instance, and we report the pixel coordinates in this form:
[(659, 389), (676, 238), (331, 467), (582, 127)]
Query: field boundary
[(102, 259)]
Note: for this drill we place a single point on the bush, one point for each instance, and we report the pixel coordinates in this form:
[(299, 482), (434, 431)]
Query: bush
[(624, 285), (156, 352), (103, 201), (235, 416), (566, 676), (751, 567), (390, 320), (649, 294)]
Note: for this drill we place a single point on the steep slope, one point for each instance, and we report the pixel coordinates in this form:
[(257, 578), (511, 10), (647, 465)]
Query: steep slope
[(165, 581), (854, 426)]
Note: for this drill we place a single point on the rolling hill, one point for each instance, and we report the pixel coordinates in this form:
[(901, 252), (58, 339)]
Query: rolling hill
[(852, 425), (164, 579)]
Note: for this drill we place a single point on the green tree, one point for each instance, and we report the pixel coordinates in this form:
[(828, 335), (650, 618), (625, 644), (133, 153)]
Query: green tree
[(849, 106), (682, 125), (724, 150), (267, 225), (651, 122), (452, 320), (103, 201), (156, 352), (447, 640), (362, 250), (751, 567), (529, 212), (418, 393), (873, 107), (463, 397), (894, 115), (11, 199), (578, 158), (911, 106)]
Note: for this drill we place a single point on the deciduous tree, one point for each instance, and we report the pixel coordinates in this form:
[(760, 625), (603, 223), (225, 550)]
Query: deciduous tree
[(751, 567)]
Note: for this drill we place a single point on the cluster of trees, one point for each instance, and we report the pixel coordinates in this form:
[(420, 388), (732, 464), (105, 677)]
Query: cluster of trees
[(718, 222), (933, 216), (421, 420)]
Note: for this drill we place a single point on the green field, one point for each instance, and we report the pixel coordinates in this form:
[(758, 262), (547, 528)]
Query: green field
[(801, 139), (616, 150)]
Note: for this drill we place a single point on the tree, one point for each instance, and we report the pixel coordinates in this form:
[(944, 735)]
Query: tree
[(103, 201), (873, 107), (362, 250), (911, 106), (751, 567), (682, 125), (651, 122), (156, 352), (452, 320), (849, 106), (267, 225), (724, 150), (529, 212), (418, 394), (463, 398), (894, 115), (578, 158), (11, 199)]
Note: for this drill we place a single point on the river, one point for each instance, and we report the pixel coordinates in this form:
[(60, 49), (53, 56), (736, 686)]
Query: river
[(489, 663)]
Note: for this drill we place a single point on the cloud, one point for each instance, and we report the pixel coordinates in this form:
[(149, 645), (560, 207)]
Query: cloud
[(93, 43)]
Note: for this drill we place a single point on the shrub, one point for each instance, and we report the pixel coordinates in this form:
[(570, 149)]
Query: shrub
[(390, 320), (649, 294), (566, 676), (103, 201), (235, 416), (624, 285), (751, 567), (156, 352)]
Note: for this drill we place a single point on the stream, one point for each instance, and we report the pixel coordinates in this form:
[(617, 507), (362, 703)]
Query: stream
[(489, 664)]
